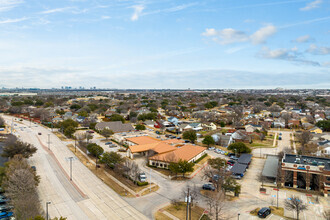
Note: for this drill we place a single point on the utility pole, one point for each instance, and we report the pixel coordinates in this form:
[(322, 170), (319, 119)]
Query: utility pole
[(277, 198), (48, 141), (188, 198), (150, 178), (47, 203), (70, 158), (75, 143)]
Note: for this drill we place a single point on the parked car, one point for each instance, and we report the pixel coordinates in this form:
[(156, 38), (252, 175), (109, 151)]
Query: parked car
[(211, 148), (34, 168), (186, 141), (230, 154), (237, 177), (2, 201), (90, 131), (226, 153), (264, 212), (142, 177), (108, 143), (39, 133), (208, 186), (280, 133), (158, 136), (178, 138), (231, 162), (233, 158), (167, 135), (279, 138), (4, 208), (4, 215)]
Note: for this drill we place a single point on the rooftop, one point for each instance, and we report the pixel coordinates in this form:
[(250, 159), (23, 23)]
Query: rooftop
[(307, 160)]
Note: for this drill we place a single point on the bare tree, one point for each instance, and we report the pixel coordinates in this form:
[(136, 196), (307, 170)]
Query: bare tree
[(216, 204), (304, 138), (2, 122), (286, 117), (295, 204), (326, 214), (20, 184)]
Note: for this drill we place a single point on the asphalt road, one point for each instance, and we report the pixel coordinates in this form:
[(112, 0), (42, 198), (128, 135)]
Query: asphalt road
[(86, 197)]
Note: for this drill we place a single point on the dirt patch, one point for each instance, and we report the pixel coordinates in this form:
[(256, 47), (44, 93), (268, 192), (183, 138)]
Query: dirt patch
[(277, 211), (179, 211), (61, 136), (161, 216)]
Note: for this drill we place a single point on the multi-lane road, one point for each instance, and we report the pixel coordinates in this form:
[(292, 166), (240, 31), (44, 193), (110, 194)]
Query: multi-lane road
[(86, 196)]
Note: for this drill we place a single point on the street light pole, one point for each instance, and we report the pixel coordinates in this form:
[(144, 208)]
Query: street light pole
[(238, 216), (70, 158), (48, 141), (47, 203)]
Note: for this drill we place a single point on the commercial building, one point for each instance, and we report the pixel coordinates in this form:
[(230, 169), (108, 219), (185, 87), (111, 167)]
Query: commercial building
[(306, 172)]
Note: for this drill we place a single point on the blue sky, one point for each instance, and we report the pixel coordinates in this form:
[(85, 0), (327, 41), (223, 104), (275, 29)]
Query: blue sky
[(165, 43)]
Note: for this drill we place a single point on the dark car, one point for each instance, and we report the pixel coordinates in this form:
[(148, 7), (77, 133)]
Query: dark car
[(3, 201), (108, 143), (208, 186), (230, 154), (186, 141), (39, 133), (231, 162), (91, 132), (34, 168), (264, 212), (279, 138)]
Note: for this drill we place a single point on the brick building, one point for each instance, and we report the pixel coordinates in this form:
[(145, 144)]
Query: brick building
[(305, 172)]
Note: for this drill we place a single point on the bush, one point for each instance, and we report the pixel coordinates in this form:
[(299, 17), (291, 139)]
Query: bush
[(201, 158), (141, 183)]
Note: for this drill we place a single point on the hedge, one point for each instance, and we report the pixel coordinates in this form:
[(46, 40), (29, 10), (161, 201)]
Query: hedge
[(201, 158), (141, 183)]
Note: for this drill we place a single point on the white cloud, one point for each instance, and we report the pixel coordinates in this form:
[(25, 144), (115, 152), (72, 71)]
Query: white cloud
[(105, 17), (326, 64), (312, 5), (12, 20), (261, 35), (226, 36), (316, 50), (291, 55), (303, 39), (137, 12), (6, 5), (56, 10), (230, 35)]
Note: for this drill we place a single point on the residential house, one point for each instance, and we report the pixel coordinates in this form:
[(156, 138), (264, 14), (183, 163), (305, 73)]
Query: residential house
[(316, 130), (241, 136), (222, 140), (209, 126), (196, 126), (173, 120)]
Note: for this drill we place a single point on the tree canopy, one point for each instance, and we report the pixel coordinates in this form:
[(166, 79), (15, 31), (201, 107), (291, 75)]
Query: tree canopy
[(208, 140), (111, 159), (324, 125), (240, 148), (190, 135), (95, 150), (117, 117), (140, 127), (18, 147)]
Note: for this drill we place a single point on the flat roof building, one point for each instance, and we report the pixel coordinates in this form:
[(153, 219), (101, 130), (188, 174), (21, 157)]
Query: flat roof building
[(306, 172)]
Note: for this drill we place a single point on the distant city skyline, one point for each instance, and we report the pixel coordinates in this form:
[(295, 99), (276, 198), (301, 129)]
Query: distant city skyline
[(160, 44)]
